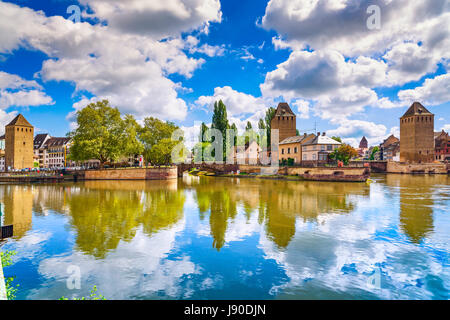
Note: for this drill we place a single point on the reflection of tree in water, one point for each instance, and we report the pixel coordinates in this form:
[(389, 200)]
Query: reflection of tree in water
[(218, 200), (279, 203), (103, 216), (417, 202), (163, 208)]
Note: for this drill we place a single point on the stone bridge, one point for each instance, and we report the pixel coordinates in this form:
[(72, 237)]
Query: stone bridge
[(375, 166), (214, 167)]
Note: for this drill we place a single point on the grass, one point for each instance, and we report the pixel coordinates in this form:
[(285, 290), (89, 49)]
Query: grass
[(11, 290)]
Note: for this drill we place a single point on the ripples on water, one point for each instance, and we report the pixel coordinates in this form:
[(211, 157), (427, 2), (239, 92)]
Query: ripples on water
[(220, 238)]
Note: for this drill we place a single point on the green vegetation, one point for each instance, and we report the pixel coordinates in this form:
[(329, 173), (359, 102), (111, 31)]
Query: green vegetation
[(270, 114), (103, 134), (92, 296), (374, 151), (344, 153), (6, 258), (338, 139)]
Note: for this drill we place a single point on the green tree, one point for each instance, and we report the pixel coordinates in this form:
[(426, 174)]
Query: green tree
[(101, 134), (249, 126), (151, 134), (132, 145), (374, 151), (161, 153), (261, 124), (220, 122), (344, 153), (203, 135), (270, 114), (338, 139)]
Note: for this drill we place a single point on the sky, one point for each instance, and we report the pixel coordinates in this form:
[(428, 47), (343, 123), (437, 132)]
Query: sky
[(350, 68)]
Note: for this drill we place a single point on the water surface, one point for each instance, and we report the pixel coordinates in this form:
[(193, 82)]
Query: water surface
[(222, 238)]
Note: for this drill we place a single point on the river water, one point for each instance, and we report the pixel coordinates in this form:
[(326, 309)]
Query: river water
[(225, 238)]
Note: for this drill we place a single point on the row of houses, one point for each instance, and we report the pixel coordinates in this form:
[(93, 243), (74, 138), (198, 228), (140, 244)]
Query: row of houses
[(389, 149), (48, 152)]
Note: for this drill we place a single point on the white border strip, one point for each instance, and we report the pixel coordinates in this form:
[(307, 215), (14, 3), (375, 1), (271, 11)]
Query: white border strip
[(2, 283)]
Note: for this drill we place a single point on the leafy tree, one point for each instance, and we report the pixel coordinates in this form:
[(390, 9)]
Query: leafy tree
[(374, 151), (344, 153), (249, 126), (151, 134), (161, 153), (220, 122), (338, 139), (132, 145), (203, 133), (101, 134), (270, 114), (261, 124)]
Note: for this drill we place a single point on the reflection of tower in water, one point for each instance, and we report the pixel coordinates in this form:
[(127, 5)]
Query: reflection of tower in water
[(416, 204), (18, 207)]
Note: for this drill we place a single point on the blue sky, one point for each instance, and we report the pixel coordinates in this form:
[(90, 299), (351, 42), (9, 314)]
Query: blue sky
[(172, 59)]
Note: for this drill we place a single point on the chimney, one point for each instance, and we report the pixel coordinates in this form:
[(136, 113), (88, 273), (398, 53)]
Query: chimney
[(305, 135), (318, 134), (324, 134)]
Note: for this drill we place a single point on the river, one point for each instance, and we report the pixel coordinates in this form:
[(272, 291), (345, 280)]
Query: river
[(225, 238)]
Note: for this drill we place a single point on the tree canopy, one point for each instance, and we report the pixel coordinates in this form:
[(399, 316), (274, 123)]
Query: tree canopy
[(344, 153), (102, 134)]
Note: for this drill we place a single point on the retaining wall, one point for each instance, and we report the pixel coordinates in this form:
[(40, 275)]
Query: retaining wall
[(132, 174)]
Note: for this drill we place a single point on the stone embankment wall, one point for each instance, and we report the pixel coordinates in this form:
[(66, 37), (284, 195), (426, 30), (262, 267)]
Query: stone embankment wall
[(426, 168), (132, 174)]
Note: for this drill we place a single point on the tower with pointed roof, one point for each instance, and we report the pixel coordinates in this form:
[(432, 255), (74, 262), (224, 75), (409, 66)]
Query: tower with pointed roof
[(285, 121), (19, 135), (417, 135)]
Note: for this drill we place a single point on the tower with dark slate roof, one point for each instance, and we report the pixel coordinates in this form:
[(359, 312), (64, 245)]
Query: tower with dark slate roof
[(19, 135), (417, 135), (285, 121)]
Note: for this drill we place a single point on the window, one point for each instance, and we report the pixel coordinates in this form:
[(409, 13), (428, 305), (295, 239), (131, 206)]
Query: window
[(330, 148), (295, 150), (314, 156), (289, 150), (322, 148), (282, 151)]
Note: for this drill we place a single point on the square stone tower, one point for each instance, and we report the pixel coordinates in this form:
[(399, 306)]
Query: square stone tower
[(19, 135), (417, 135), (285, 121)]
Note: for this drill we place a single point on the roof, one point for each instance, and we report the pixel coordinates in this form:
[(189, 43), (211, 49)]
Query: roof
[(284, 110), (296, 139), (19, 121), (323, 140), (417, 109), (40, 139), (390, 140), (3, 137), (56, 142)]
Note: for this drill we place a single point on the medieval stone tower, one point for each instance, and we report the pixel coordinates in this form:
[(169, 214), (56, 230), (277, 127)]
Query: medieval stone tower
[(285, 121), (19, 136), (417, 135)]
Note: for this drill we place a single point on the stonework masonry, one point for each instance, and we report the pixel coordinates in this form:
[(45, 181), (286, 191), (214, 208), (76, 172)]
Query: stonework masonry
[(19, 136), (285, 122), (417, 135)]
